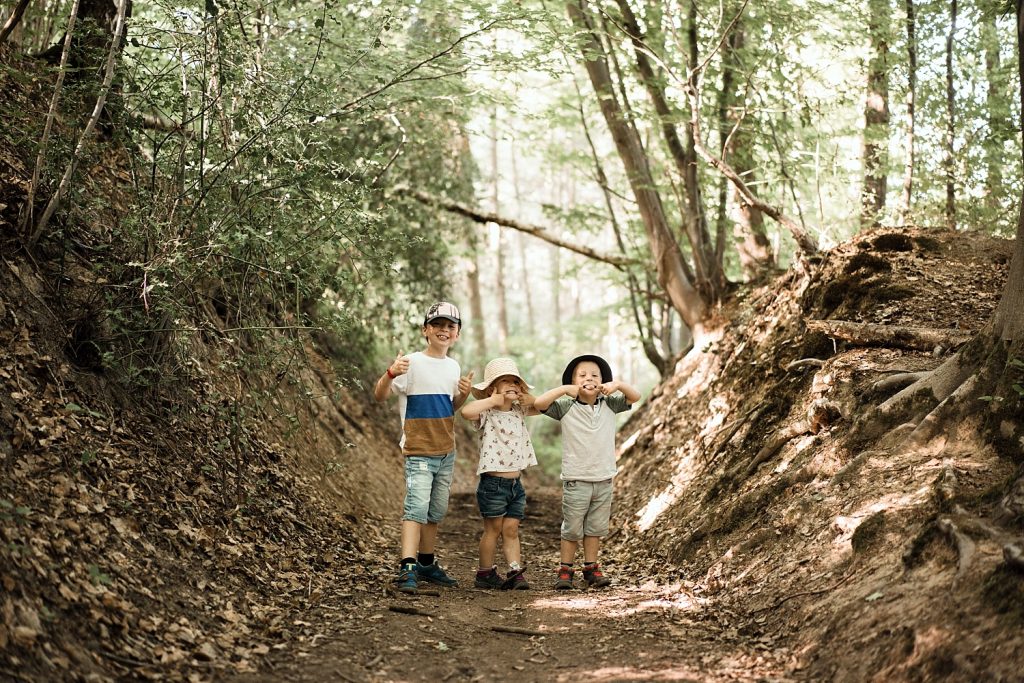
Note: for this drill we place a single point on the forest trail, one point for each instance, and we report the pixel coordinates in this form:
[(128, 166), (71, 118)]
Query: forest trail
[(640, 628)]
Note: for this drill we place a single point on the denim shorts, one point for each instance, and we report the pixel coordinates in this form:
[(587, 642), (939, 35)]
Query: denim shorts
[(501, 497), (586, 508), (428, 481)]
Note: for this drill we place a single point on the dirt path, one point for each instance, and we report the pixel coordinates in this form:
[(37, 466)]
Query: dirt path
[(638, 629)]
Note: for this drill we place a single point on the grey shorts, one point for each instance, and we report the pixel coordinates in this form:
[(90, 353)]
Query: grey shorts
[(586, 508)]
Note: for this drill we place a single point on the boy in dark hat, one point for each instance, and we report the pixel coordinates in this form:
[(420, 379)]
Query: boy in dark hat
[(586, 405)]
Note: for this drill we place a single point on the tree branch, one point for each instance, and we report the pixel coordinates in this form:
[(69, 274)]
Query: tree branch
[(479, 216)]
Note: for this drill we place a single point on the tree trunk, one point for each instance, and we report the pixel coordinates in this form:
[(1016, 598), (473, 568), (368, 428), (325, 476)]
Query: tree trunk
[(949, 162), (499, 271), (753, 246), (13, 20), (668, 258), (476, 306), (521, 250), (908, 171), (997, 113), (876, 116)]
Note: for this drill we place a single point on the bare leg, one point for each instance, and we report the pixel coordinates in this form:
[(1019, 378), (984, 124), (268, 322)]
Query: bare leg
[(410, 537), (591, 545), (428, 537), (568, 551), (489, 541), (510, 540)]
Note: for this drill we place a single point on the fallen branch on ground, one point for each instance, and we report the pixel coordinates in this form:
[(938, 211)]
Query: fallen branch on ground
[(410, 610), (520, 631), (895, 336), (804, 363)]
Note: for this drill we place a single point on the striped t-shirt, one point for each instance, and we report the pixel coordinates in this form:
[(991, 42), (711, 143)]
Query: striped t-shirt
[(425, 402)]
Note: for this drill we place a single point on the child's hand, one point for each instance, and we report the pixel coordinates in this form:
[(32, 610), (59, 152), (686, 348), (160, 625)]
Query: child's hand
[(572, 390), (400, 366), (465, 384), (527, 399), (500, 400), (609, 388)]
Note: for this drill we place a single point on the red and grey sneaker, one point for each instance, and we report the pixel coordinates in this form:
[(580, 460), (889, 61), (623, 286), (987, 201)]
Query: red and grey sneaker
[(564, 581), (593, 576)]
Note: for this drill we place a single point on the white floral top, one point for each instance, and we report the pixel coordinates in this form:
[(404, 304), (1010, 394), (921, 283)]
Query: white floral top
[(505, 444)]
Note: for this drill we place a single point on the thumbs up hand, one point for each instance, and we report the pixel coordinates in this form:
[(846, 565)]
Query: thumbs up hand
[(465, 384), (400, 366)]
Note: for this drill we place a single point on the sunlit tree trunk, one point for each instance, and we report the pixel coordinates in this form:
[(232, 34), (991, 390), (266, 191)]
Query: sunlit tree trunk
[(876, 116), (753, 247), (499, 244), (671, 269), (908, 171), (520, 241), (949, 160), (997, 112)]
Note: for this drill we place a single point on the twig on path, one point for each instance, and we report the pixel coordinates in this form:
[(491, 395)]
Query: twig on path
[(520, 631), (411, 610)]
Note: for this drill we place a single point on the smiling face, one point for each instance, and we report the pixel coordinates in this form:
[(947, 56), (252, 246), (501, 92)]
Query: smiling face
[(440, 335), (587, 376)]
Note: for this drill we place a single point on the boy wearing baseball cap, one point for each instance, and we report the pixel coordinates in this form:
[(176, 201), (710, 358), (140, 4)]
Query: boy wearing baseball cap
[(586, 405), (430, 388)]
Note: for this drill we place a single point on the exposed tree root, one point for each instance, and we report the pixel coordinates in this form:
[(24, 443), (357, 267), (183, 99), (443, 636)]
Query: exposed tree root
[(900, 337), (900, 380), (965, 546), (804, 363)]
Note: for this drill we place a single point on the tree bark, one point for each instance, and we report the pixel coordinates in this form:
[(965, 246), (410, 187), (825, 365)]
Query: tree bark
[(753, 246), (13, 20), (499, 272), (908, 171), (997, 113), (876, 116), (949, 162), (668, 258)]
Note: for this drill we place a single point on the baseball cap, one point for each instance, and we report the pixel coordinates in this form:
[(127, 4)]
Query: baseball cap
[(443, 309)]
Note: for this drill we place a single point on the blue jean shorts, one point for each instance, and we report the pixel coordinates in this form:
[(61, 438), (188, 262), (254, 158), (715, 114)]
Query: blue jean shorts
[(428, 482), (586, 508), (500, 497)]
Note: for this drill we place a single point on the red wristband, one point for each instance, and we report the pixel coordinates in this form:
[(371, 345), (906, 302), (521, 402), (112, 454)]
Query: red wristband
[(392, 376)]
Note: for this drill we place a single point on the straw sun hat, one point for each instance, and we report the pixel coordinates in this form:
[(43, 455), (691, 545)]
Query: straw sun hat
[(496, 369)]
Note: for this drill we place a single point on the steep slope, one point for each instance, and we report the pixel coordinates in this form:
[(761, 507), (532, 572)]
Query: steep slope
[(742, 471)]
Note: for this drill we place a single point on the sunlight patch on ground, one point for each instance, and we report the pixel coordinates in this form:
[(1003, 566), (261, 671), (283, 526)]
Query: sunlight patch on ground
[(686, 470), (626, 601), (846, 525), (629, 673)]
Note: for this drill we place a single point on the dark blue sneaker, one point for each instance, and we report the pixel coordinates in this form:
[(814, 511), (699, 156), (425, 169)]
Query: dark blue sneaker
[(406, 582), (434, 574)]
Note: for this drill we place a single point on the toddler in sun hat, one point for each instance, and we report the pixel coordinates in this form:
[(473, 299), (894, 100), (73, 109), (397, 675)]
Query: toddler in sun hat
[(430, 388), (499, 414), (586, 405)]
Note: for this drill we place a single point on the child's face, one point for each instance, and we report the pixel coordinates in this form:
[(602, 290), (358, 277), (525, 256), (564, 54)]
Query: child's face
[(510, 387), (586, 375), (441, 334)]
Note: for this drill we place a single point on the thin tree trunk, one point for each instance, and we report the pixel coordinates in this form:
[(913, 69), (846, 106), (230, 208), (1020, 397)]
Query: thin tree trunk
[(997, 124), (28, 218), (499, 271), (476, 306), (708, 271), (521, 249), (948, 162), (15, 18), (108, 78), (752, 242), (667, 256), (908, 171), (876, 116)]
